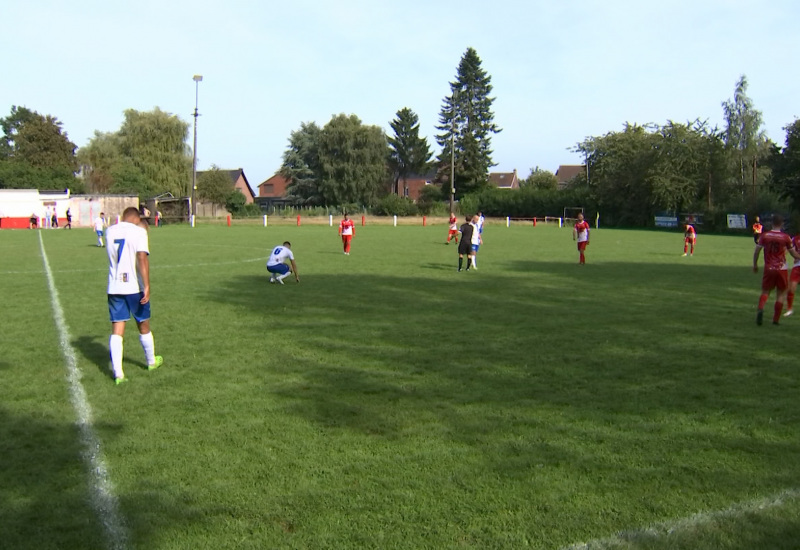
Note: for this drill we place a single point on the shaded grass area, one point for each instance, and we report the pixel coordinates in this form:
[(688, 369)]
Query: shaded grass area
[(387, 401)]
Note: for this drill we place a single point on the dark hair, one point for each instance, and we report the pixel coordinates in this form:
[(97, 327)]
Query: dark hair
[(287, 243)]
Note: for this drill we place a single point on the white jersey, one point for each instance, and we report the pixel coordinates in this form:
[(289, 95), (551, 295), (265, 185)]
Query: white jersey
[(480, 224), (99, 223), (279, 255), (125, 240), (476, 236)]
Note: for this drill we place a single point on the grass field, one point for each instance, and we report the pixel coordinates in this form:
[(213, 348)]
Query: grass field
[(388, 402)]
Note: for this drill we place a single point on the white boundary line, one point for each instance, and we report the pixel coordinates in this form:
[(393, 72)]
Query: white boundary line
[(103, 499), (155, 267), (684, 525)]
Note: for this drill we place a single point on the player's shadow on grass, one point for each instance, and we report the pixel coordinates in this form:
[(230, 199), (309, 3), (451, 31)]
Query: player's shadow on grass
[(97, 353), (45, 486)]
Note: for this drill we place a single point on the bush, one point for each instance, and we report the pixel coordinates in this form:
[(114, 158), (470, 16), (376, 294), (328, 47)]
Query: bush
[(392, 205)]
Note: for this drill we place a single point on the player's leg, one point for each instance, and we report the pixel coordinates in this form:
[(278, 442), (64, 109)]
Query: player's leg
[(685, 246), (782, 284), (282, 271), (119, 314), (767, 284), (141, 314), (691, 253), (793, 280)]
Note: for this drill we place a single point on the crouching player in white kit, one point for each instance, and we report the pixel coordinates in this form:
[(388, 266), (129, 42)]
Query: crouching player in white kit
[(129, 288), (276, 263)]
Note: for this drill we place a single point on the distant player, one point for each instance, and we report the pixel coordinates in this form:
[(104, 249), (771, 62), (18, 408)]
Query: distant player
[(480, 222), (33, 222), (452, 233), (99, 224), (689, 239), (347, 230), (129, 289), (276, 264), (69, 220), (54, 220), (757, 229), (794, 278), (580, 233), (476, 241), (775, 244), (465, 246)]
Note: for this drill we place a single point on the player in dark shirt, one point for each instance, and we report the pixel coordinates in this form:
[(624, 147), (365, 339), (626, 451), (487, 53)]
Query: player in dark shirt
[(465, 245)]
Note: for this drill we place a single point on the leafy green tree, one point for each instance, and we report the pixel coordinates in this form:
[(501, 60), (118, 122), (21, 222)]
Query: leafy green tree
[(467, 122), (236, 202), (352, 161), (35, 152), (99, 159), (301, 166), (214, 186), (785, 165), (743, 134), (410, 153), (540, 179), (156, 143), (128, 179)]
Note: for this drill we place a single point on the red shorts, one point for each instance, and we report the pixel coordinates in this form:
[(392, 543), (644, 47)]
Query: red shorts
[(582, 245), (690, 240), (795, 278), (453, 232), (775, 278)]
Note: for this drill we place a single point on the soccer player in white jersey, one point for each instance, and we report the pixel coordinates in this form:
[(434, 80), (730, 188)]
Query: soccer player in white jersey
[(129, 289), (477, 241), (99, 225), (276, 264)]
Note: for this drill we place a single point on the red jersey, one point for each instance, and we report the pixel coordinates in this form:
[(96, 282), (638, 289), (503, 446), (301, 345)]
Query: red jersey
[(582, 231), (690, 232), (347, 227), (775, 245)]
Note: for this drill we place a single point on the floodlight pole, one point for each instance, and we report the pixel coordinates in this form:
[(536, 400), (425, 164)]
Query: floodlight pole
[(453, 156), (197, 79)]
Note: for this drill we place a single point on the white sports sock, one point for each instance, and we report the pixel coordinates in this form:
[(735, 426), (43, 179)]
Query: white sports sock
[(475, 265), (149, 347), (115, 348), (282, 277)]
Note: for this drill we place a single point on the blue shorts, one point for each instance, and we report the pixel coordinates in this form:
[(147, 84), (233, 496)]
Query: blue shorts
[(122, 306), (283, 269), (99, 233), (475, 247)]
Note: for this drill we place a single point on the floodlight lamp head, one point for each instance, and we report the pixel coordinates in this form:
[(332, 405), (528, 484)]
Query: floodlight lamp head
[(197, 78)]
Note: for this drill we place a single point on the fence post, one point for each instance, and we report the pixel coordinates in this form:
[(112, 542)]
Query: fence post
[(534, 221), (229, 220), (559, 222), (395, 220), (363, 221), (192, 219), (508, 221), (265, 220), (424, 221), (330, 220), (298, 220)]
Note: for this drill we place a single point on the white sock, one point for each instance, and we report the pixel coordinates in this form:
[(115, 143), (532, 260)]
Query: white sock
[(282, 277), (149, 347), (473, 262), (115, 347)]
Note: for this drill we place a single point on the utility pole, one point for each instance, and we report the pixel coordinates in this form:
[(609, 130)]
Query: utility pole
[(453, 155), (197, 79)]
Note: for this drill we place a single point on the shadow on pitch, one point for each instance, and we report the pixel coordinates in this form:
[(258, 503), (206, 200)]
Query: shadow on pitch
[(96, 351)]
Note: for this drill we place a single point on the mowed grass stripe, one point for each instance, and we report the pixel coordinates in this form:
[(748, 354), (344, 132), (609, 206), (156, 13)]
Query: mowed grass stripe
[(104, 501), (388, 401)]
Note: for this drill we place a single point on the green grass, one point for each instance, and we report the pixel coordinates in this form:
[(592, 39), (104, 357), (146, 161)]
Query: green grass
[(387, 401)]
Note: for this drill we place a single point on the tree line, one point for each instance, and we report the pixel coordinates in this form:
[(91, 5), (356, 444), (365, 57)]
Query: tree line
[(630, 175)]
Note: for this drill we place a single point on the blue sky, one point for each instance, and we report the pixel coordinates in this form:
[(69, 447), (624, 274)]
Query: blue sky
[(561, 70)]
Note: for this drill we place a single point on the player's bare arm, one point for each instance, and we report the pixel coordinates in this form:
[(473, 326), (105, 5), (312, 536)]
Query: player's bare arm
[(294, 270), (143, 266), (756, 254)]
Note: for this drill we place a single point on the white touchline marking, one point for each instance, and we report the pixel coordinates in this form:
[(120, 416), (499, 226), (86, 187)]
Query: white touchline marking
[(687, 524), (103, 498), (154, 267)]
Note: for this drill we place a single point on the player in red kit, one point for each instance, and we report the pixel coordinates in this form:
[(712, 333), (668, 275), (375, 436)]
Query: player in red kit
[(794, 278), (346, 231), (689, 239), (453, 231), (580, 233), (775, 244)]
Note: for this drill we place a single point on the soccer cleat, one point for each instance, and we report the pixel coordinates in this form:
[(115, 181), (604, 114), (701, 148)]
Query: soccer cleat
[(760, 317), (684, 253), (120, 380), (459, 270), (788, 313), (278, 280), (158, 363)]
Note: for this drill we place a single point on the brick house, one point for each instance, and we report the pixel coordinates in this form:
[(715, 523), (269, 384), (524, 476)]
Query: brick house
[(504, 180), (568, 172), (239, 181), (274, 187), (414, 184)]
